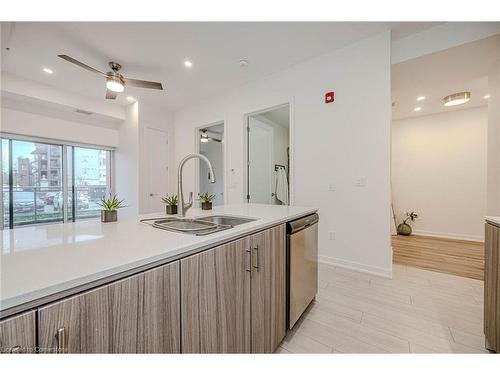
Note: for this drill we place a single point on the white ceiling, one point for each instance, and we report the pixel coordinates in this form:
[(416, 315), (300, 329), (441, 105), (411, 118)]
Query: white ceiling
[(462, 68), (156, 51), (217, 129), (280, 116)]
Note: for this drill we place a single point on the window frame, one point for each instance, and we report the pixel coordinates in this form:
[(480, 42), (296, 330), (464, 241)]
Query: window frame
[(64, 170)]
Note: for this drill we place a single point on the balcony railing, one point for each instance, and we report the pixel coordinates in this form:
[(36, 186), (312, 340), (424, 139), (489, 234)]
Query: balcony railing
[(40, 205)]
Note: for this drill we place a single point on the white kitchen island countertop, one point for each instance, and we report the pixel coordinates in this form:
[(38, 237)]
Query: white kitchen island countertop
[(493, 220), (38, 262)]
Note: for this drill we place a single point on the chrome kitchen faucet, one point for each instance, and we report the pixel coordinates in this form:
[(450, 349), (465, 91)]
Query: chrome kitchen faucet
[(183, 207)]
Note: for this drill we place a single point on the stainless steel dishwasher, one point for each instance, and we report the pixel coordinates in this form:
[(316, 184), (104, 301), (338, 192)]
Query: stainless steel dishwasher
[(302, 265)]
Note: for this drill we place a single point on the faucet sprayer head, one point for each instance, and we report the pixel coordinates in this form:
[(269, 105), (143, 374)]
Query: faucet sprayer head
[(211, 176)]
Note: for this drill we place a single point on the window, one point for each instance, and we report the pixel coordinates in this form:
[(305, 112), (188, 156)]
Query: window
[(90, 180), (34, 181)]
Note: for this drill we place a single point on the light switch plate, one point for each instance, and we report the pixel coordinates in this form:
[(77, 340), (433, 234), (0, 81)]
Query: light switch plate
[(361, 181)]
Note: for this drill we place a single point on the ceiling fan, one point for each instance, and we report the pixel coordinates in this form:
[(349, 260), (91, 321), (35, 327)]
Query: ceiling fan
[(115, 82)]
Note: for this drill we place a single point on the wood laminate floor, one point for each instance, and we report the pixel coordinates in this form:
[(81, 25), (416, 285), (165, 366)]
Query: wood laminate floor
[(417, 311), (456, 257)]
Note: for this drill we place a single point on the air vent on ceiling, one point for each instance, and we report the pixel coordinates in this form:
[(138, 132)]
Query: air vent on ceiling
[(83, 112)]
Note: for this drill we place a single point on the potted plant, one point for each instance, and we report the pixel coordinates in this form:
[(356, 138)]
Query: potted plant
[(206, 201), (404, 228), (171, 202), (110, 206)]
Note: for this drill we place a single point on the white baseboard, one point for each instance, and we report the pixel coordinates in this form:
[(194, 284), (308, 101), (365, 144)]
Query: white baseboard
[(372, 270), (452, 236)]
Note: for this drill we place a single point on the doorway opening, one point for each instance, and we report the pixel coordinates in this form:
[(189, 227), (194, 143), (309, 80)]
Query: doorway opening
[(439, 157), (268, 156), (210, 141)]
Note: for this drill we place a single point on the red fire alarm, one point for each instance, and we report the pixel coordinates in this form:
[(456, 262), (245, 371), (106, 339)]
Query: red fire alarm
[(329, 97)]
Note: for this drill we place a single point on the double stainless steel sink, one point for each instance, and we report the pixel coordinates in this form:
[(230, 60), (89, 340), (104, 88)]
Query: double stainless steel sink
[(199, 226)]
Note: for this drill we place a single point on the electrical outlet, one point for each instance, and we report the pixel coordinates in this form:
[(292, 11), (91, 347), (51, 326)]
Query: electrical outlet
[(332, 236)]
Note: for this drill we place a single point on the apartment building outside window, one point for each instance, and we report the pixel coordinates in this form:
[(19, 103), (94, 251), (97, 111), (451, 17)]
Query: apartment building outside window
[(51, 182)]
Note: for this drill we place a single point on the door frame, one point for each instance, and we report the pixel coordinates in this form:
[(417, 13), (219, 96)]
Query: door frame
[(224, 157), (291, 144)]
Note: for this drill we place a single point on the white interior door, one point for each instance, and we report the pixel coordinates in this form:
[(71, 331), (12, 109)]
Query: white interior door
[(157, 164), (261, 162)]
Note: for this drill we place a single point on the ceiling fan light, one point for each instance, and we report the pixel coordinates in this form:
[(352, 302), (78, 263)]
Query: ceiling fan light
[(456, 99), (204, 136), (114, 84)]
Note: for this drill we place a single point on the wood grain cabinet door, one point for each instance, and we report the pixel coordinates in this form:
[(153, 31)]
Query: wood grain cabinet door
[(103, 320), (268, 290), (160, 321), (492, 287), (139, 314), (18, 334), (215, 300)]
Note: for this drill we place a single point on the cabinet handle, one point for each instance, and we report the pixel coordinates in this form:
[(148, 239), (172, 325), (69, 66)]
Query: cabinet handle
[(61, 340), (248, 260), (16, 349), (256, 252)]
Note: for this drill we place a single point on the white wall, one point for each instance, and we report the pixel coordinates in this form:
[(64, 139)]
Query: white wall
[(439, 170), (34, 125), (127, 162), (331, 144), (493, 196)]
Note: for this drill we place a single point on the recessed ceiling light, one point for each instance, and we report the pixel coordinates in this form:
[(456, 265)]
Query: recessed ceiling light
[(420, 98), (131, 99), (48, 71), (456, 99), (416, 109), (188, 63), (487, 96)]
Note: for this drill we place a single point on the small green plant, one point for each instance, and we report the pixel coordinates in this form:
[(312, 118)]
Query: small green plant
[(111, 204), (410, 216), (206, 198), (170, 200)]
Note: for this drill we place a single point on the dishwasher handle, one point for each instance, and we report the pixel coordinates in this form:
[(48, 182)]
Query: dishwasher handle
[(301, 224)]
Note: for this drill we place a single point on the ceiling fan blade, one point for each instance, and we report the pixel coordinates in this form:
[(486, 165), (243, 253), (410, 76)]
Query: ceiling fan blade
[(110, 94), (144, 84), (81, 65)]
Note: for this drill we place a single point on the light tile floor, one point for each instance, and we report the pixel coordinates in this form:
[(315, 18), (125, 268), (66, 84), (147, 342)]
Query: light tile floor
[(417, 311)]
